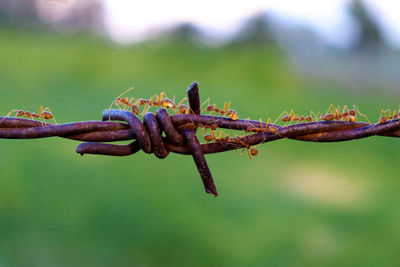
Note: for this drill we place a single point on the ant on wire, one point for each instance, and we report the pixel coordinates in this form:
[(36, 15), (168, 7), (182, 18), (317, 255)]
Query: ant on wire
[(223, 138), (126, 102), (349, 115), (251, 151), (291, 116), (43, 113), (268, 128), (163, 101), (387, 117), (224, 111), (346, 114)]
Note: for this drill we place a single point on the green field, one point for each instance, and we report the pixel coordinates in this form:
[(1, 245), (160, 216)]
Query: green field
[(295, 204)]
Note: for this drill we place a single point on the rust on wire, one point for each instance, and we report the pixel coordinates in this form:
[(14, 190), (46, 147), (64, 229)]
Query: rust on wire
[(180, 133)]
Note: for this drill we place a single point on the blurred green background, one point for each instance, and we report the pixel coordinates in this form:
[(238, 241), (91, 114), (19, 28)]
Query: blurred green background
[(295, 204)]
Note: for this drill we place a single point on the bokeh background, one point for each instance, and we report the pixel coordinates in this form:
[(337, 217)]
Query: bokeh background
[(295, 204)]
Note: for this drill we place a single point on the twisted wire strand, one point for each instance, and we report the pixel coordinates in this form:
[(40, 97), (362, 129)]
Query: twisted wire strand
[(105, 131), (180, 133)]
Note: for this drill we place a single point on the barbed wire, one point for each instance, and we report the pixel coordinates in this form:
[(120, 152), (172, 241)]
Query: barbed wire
[(180, 133)]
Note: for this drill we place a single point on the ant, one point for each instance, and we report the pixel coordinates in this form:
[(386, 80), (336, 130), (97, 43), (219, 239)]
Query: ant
[(180, 108), (267, 128), (385, 117), (229, 112), (212, 126), (183, 109), (43, 113), (128, 103), (163, 101), (226, 139), (222, 137), (192, 126), (291, 116), (349, 115), (346, 114), (251, 151)]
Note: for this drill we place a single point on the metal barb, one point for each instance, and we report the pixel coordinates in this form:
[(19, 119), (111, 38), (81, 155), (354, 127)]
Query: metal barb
[(179, 138), (194, 144)]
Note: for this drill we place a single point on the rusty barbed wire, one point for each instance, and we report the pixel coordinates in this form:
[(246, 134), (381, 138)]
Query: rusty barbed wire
[(180, 133)]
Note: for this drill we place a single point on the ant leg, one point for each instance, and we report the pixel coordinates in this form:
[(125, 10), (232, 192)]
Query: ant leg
[(291, 115), (270, 128), (208, 103), (228, 106), (280, 116), (242, 145), (220, 134), (384, 112), (174, 107), (40, 110), (145, 109), (245, 146), (248, 152), (316, 115), (331, 107), (162, 96), (390, 114), (223, 110), (216, 110), (248, 127), (361, 114), (130, 102), (48, 109), (12, 111), (185, 98), (41, 121), (130, 89)]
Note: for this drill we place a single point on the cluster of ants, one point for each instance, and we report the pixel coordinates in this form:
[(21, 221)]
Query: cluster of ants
[(161, 100), (332, 114)]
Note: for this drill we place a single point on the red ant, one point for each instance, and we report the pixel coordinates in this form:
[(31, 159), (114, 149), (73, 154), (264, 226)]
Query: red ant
[(126, 102), (163, 101), (268, 128), (386, 117), (222, 137), (346, 114), (225, 111), (240, 141), (44, 113), (226, 139), (293, 117)]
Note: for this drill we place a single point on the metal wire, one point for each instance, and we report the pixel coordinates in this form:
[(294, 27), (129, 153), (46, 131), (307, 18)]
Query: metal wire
[(180, 133)]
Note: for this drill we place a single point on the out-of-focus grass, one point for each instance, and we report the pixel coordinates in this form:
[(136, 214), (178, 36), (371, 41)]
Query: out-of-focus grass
[(295, 204)]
